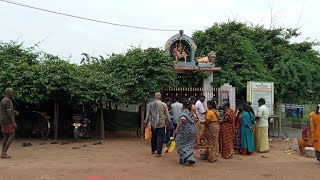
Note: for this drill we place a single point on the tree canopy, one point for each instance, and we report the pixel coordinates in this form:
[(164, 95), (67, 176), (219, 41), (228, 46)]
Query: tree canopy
[(129, 78), (247, 52), (142, 72), (94, 84), (244, 52), (17, 71)]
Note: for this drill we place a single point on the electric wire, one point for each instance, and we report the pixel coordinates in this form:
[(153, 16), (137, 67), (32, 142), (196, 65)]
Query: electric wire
[(85, 18)]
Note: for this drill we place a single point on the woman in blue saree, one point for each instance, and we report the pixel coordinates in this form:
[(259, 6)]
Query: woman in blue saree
[(247, 134), (185, 135)]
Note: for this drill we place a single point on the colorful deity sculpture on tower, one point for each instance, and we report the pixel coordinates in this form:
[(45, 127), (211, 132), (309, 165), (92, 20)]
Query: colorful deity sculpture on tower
[(180, 51), (183, 49)]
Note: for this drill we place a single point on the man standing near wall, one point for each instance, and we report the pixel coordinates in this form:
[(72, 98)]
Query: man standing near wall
[(176, 108), (158, 115), (261, 133), (7, 122), (201, 112)]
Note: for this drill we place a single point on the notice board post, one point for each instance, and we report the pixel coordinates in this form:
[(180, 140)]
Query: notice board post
[(257, 90)]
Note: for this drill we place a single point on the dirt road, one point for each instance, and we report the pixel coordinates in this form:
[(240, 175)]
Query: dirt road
[(131, 159)]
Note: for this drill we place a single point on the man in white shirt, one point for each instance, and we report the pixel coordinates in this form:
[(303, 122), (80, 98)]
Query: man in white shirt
[(201, 110), (261, 133), (201, 113)]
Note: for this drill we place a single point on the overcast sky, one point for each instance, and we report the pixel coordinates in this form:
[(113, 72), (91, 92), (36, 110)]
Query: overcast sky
[(68, 37)]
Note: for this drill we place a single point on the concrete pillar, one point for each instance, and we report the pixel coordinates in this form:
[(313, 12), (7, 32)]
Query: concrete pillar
[(207, 87), (227, 92)]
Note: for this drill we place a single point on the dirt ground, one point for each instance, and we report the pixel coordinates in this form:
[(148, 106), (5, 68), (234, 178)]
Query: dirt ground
[(130, 159)]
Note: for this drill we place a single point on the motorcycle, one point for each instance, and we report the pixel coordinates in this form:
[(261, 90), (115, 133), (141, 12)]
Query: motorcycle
[(81, 126)]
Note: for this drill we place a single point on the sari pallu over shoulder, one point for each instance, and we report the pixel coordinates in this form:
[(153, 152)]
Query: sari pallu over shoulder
[(186, 138), (227, 129)]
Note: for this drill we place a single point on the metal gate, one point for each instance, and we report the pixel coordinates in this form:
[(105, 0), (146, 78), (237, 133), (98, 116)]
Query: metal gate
[(186, 92)]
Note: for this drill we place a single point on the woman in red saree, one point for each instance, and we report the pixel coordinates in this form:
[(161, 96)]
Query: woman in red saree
[(227, 129), (237, 137)]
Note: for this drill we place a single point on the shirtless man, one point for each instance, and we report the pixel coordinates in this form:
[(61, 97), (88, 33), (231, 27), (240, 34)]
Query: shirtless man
[(7, 122)]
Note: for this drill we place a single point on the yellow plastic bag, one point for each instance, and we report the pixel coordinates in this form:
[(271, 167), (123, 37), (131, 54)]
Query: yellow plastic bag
[(147, 133), (170, 146)]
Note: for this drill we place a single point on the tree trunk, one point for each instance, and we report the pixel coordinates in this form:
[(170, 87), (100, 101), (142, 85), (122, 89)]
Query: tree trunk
[(56, 117), (101, 122), (142, 121)]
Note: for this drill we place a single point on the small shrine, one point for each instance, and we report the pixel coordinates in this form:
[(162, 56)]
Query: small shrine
[(182, 49)]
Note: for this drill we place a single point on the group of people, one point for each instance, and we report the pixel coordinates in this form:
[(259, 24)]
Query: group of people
[(194, 124), (311, 135)]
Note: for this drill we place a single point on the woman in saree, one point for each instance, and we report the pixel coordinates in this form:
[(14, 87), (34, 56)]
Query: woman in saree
[(247, 134), (185, 135), (211, 132), (315, 130), (305, 140), (237, 137), (227, 130)]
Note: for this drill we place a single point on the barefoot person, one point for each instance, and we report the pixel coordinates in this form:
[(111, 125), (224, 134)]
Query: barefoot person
[(227, 130), (237, 137), (305, 140), (7, 122), (211, 132), (201, 113), (261, 133), (315, 130), (185, 134), (247, 135)]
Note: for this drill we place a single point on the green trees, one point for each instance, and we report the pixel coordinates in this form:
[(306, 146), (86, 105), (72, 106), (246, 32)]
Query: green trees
[(244, 53), (142, 73), (255, 53), (96, 85), (130, 78), (297, 77), (54, 78), (17, 71)]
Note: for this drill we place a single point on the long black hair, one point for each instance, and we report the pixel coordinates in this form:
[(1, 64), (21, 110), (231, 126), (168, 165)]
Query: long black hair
[(192, 98), (238, 114), (247, 108), (187, 104), (250, 107), (212, 103), (240, 110)]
